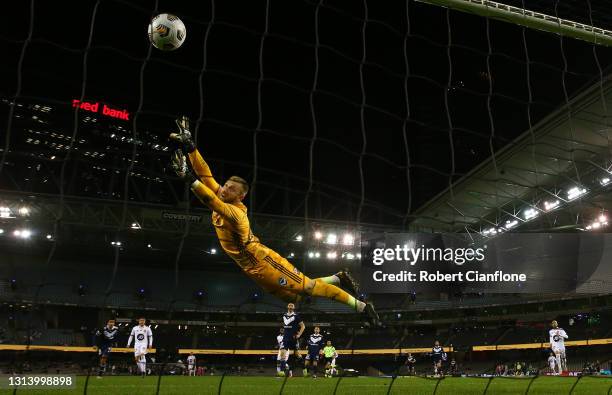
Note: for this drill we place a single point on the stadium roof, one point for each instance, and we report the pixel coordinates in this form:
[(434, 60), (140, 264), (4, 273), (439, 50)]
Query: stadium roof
[(570, 148)]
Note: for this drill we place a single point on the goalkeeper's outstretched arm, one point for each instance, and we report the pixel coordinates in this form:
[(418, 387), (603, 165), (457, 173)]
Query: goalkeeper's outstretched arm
[(200, 168), (212, 201), (202, 171)]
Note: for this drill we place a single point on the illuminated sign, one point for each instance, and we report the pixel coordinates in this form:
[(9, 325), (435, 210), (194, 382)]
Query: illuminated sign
[(101, 108)]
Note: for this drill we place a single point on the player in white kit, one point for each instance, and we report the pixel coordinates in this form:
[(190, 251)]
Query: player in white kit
[(552, 362), (191, 365), (279, 356), (143, 340), (557, 344)]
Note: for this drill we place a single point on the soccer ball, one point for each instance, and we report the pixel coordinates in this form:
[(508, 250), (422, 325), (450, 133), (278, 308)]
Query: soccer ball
[(167, 32)]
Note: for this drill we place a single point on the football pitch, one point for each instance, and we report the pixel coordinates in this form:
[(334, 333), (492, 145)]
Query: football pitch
[(240, 385)]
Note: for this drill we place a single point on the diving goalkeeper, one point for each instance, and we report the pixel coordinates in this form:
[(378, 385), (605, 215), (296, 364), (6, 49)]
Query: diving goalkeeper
[(266, 267)]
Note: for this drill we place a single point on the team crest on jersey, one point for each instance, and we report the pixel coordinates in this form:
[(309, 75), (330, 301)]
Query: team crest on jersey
[(296, 271), (140, 337), (282, 281)]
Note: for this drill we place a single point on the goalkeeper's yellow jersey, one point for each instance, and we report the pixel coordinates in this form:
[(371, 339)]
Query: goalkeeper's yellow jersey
[(273, 272)]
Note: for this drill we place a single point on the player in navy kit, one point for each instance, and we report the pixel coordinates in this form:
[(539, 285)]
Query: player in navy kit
[(294, 327), (436, 357), (315, 345), (105, 339)]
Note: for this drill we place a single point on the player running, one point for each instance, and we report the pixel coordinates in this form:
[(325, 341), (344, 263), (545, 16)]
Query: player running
[(105, 339), (557, 344), (436, 356), (143, 340), (229, 217), (293, 328), (330, 354), (191, 365), (315, 345)]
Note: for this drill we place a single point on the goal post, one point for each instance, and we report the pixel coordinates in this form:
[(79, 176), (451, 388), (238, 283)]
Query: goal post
[(530, 19)]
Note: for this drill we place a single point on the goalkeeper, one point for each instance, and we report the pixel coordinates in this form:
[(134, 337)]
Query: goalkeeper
[(266, 267)]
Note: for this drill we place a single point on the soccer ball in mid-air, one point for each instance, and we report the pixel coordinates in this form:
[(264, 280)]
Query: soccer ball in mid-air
[(167, 32)]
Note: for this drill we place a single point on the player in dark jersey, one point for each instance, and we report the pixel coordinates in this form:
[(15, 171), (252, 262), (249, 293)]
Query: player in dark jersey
[(436, 357), (294, 327), (105, 339), (410, 362), (452, 366), (315, 345)]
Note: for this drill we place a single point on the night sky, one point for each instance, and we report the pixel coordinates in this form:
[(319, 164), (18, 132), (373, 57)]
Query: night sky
[(430, 108)]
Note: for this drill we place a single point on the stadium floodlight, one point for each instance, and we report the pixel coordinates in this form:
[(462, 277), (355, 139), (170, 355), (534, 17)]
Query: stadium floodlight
[(331, 238), (551, 205), (5, 212), (604, 181), (318, 235), (311, 254), (49, 237), (358, 255), (149, 246), (349, 256), (510, 224), (601, 221), (291, 255), (22, 233), (136, 226), (317, 254), (299, 238), (348, 239), (332, 255), (213, 251), (24, 211), (490, 231), (530, 213), (1, 231), (575, 192), (116, 243)]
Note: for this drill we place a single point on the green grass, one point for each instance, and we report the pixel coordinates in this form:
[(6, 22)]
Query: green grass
[(236, 385)]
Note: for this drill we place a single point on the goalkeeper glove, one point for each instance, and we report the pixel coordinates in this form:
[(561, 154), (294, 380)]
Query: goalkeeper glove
[(183, 137), (178, 162)]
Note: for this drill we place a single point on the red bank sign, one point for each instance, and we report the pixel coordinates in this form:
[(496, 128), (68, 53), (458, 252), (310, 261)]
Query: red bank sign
[(101, 108)]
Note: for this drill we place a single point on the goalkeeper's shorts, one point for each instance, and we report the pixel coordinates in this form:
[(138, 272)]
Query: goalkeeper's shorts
[(276, 275)]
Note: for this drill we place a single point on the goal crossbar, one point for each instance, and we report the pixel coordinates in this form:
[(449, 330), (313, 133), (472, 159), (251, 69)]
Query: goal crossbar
[(527, 18)]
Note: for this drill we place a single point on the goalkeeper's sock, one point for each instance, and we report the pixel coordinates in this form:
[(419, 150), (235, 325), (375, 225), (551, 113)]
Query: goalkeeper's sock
[(333, 280), (332, 292)]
